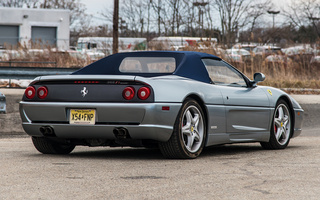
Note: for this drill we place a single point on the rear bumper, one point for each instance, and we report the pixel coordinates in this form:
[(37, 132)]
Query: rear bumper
[(142, 120)]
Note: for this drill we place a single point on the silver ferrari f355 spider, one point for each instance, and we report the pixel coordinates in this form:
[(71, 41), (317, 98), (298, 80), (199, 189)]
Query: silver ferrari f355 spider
[(180, 102)]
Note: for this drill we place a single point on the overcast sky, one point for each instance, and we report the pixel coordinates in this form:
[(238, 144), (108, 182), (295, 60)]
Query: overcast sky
[(94, 7)]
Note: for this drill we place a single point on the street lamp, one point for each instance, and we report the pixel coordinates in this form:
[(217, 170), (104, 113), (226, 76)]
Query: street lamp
[(200, 5), (273, 13)]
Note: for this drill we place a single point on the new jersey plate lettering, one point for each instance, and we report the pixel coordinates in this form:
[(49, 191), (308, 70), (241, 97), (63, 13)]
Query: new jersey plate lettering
[(81, 116)]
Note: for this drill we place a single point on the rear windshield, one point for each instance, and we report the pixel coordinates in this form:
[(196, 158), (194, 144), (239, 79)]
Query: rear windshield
[(148, 65)]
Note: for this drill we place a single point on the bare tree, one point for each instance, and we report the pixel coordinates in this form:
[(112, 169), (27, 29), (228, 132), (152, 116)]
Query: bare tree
[(189, 17), (148, 18), (157, 6), (142, 14), (256, 11), (128, 16), (303, 13), (107, 14), (13, 3), (174, 15), (232, 17)]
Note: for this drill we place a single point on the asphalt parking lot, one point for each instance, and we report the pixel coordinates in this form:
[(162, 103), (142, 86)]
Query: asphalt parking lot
[(241, 171)]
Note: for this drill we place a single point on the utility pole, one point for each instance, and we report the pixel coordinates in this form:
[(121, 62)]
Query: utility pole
[(115, 45)]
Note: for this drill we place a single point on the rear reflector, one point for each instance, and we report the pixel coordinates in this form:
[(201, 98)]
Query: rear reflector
[(165, 107)]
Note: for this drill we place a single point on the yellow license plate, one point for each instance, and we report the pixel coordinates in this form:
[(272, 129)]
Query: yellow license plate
[(82, 116)]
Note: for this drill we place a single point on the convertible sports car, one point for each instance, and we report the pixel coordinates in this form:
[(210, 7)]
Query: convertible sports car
[(177, 101)]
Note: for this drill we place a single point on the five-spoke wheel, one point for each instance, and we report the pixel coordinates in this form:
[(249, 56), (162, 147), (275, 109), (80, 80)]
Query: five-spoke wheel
[(192, 129), (189, 135), (281, 129)]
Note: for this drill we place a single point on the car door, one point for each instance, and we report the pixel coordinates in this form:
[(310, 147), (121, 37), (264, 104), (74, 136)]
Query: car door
[(247, 108)]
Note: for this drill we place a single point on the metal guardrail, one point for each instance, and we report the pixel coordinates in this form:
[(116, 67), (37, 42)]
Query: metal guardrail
[(32, 72), (22, 70), (14, 63)]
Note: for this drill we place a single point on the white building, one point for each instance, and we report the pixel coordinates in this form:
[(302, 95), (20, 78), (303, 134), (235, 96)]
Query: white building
[(34, 27)]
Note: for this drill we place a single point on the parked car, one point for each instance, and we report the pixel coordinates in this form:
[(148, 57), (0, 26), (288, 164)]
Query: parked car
[(301, 54), (280, 59), (94, 56), (277, 62), (245, 55), (315, 60), (3, 107), (248, 47), (241, 52), (265, 51), (234, 58), (236, 61), (298, 50), (178, 101)]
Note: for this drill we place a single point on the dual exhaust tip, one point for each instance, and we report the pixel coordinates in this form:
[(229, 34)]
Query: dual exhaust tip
[(47, 131), (121, 133)]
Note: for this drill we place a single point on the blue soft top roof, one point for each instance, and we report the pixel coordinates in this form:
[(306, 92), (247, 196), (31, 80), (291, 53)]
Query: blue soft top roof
[(188, 64)]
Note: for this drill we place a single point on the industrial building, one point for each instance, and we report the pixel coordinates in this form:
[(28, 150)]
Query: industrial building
[(32, 28)]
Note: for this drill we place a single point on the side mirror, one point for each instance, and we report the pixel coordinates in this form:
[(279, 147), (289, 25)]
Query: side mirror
[(258, 77)]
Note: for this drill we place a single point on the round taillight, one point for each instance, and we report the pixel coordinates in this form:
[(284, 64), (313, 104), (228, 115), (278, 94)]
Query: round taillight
[(30, 92), (144, 93), (128, 93), (42, 92)]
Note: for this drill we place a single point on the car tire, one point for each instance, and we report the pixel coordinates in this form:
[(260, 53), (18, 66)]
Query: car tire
[(281, 127), (189, 134), (47, 146)]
